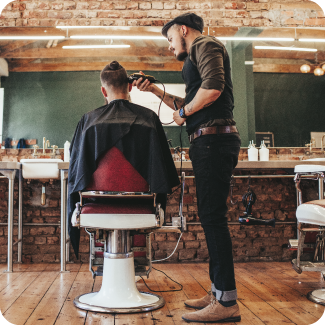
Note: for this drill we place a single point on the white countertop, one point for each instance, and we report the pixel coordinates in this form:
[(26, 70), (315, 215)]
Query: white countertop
[(9, 165), (272, 164)]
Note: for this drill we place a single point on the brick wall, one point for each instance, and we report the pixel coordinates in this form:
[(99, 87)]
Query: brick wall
[(256, 13), (275, 198)]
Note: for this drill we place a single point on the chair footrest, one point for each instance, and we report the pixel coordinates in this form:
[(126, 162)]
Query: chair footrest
[(118, 221)]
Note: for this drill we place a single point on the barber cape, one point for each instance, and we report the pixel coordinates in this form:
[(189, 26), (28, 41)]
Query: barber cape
[(134, 130)]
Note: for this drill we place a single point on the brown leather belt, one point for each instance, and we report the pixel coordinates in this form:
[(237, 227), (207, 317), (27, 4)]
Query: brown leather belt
[(213, 130)]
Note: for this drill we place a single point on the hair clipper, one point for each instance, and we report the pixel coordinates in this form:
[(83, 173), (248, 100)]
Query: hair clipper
[(136, 76)]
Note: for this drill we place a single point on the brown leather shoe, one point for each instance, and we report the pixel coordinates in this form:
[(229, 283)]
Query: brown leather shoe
[(199, 303), (214, 313)]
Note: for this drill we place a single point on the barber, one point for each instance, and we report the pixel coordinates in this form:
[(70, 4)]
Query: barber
[(207, 110)]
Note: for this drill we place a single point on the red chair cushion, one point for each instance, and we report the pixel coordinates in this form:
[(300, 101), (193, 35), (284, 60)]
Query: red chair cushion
[(115, 174)]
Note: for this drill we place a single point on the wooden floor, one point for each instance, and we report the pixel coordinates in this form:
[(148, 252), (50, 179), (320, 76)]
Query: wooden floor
[(269, 293)]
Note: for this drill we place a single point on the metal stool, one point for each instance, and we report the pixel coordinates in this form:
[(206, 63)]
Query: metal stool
[(312, 212)]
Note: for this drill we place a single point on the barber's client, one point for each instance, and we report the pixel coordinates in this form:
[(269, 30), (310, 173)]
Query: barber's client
[(133, 129)]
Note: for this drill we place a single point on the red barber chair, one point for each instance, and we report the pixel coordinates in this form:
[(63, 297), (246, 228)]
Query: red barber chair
[(118, 212)]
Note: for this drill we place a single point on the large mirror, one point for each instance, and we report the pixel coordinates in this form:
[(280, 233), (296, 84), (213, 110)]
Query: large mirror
[(53, 78)]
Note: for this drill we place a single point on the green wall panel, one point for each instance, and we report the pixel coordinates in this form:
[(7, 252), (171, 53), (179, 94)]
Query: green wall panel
[(50, 104), (290, 106)]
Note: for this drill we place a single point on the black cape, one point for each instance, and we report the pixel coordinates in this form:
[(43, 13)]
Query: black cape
[(133, 129)]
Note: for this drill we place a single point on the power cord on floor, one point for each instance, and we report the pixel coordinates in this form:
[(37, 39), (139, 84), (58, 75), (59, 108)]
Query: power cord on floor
[(181, 286)]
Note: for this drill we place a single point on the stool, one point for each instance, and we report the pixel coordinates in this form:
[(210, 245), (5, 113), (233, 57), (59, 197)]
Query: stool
[(313, 213), (316, 172)]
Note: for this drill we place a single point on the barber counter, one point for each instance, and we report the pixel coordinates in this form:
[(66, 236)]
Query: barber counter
[(271, 181)]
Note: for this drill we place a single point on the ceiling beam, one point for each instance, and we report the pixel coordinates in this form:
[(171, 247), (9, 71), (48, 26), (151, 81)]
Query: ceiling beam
[(29, 66), (58, 52)]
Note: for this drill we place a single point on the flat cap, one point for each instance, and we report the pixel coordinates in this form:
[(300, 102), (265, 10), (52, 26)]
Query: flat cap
[(189, 19)]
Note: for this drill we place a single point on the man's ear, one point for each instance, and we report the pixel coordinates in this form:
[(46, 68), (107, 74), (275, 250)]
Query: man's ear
[(130, 87), (104, 92)]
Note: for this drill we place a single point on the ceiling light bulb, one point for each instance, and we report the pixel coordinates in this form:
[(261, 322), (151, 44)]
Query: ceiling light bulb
[(305, 68), (318, 72), (283, 48)]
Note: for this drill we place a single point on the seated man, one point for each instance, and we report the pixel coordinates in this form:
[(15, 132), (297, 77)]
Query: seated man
[(135, 130)]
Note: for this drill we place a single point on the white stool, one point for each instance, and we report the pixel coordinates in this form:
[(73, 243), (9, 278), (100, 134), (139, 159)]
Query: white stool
[(316, 172), (312, 212)]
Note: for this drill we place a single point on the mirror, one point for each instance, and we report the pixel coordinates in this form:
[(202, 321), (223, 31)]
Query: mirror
[(54, 78)]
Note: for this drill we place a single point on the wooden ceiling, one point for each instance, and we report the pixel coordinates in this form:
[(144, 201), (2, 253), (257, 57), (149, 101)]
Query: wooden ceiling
[(44, 55)]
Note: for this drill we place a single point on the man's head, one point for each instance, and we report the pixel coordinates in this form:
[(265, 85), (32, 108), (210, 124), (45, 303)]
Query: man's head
[(114, 80), (180, 33)]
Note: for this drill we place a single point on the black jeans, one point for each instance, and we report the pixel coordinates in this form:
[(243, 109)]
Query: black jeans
[(213, 158)]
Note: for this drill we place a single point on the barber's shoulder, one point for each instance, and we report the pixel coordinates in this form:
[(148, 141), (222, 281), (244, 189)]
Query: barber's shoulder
[(203, 43)]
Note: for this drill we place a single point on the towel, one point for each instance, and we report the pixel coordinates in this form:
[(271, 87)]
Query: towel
[(8, 143), (21, 144)]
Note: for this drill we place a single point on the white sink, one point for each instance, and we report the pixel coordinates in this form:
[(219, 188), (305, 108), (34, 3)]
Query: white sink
[(316, 159), (40, 168)]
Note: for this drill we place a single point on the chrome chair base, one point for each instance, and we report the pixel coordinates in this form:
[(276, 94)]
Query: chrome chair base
[(160, 302), (317, 296)]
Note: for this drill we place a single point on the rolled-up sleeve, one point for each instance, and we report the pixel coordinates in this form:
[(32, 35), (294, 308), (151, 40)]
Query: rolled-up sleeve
[(208, 56)]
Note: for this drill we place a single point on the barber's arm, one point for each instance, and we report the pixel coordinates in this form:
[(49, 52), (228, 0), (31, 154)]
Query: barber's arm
[(168, 99), (202, 99)]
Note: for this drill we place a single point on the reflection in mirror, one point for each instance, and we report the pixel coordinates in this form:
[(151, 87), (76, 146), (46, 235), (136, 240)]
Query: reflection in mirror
[(53, 77)]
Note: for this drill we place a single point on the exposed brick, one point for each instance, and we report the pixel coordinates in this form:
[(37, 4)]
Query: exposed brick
[(107, 6), (192, 244), (188, 236), (187, 254), (46, 6), (10, 14), (71, 5), (160, 236), (35, 231), (145, 5), (315, 22), (53, 240), (133, 6), (257, 6), (57, 5), (40, 240), (18, 6), (59, 15), (120, 5), (202, 254), (169, 5), (230, 5)]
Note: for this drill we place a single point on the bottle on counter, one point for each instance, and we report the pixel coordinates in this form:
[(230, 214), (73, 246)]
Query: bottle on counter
[(252, 152), (67, 151), (264, 152)]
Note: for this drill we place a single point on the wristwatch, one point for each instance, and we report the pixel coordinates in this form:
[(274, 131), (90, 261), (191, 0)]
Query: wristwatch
[(182, 113)]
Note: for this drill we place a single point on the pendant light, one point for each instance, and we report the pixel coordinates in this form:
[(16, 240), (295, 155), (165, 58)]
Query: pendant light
[(305, 68)]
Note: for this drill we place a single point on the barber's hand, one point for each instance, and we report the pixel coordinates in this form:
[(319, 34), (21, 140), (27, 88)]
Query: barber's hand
[(178, 120), (143, 86)]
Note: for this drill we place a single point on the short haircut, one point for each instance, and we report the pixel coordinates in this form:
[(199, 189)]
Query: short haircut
[(114, 76)]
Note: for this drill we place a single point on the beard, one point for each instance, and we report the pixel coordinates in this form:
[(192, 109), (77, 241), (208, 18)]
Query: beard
[(182, 56)]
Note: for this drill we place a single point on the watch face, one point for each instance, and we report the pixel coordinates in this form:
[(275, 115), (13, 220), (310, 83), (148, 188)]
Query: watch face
[(181, 112)]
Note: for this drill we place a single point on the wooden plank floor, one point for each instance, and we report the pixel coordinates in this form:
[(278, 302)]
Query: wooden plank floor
[(269, 293)]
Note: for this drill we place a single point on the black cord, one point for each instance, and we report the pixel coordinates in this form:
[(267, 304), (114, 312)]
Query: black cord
[(161, 103), (180, 139), (163, 290)]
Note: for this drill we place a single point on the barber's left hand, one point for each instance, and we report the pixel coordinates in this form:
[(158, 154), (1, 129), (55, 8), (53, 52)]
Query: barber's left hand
[(178, 120)]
